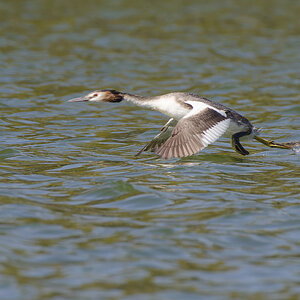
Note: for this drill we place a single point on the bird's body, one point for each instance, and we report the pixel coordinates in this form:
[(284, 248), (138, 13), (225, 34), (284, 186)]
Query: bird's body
[(195, 121)]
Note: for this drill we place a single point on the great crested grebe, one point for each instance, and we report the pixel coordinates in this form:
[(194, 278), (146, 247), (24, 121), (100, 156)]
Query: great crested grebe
[(195, 122)]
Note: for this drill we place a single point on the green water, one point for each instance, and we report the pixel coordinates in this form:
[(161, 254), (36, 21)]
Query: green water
[(81, 217)]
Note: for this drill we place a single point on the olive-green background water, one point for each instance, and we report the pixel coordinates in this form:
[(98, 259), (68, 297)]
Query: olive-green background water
[(81, 217)]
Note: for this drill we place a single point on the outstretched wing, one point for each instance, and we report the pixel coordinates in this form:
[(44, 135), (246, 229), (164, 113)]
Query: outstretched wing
[(194, 132), (160, 138)]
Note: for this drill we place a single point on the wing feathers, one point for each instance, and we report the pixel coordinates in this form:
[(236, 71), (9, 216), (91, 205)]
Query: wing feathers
[(194, 133), (160, 138)]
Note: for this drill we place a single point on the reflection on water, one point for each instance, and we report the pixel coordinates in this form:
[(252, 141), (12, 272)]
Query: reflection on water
[(81, 217)]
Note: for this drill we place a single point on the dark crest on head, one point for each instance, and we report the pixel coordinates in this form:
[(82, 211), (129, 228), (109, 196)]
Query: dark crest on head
[(113, 95)]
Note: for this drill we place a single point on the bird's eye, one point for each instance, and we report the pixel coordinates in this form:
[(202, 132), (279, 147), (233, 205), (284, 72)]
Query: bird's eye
[(95, 95)]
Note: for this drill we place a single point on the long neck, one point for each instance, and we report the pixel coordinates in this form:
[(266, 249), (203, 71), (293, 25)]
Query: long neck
[(166, 104), (138, 100)]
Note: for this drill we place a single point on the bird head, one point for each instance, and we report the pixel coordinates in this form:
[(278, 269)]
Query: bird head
[(100, 96)]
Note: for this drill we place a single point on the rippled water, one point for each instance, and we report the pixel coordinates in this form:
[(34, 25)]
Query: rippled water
[(81, 217)]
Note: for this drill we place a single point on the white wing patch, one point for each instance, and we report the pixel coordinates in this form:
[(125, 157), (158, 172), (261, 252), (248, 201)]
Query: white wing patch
[(210, 135), (200, 106)]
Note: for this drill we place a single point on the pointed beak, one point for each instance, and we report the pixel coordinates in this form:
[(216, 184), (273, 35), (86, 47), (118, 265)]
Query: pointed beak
[(80, 99)]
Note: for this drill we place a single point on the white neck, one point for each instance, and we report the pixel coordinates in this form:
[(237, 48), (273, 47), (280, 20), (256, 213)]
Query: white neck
[(166, 104)]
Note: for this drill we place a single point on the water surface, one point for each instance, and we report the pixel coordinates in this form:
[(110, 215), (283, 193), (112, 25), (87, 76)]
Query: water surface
[(81, 217)]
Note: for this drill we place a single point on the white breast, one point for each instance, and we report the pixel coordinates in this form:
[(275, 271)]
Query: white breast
[(168, 105)]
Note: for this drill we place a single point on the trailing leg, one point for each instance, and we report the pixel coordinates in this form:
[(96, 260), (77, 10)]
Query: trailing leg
[(236, 145)]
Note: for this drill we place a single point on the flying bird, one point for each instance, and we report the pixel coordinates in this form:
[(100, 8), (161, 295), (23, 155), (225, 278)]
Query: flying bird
[(195, 122)]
